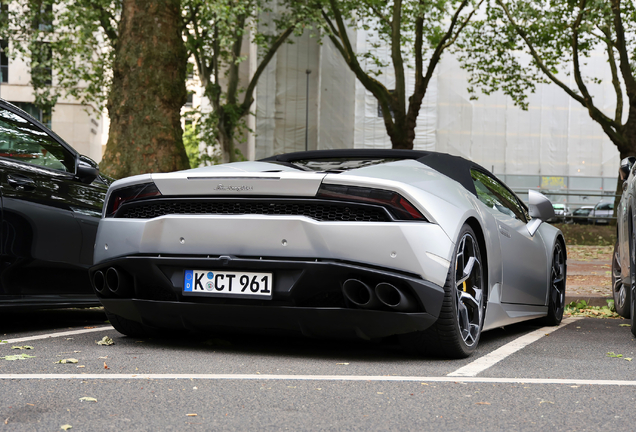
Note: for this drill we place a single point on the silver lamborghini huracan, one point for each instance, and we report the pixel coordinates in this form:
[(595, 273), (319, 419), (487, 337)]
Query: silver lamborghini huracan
[(425, 246)]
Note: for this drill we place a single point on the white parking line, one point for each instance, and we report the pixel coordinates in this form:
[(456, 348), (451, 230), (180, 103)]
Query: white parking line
[(483, 363), (263, 377), (59, 334)]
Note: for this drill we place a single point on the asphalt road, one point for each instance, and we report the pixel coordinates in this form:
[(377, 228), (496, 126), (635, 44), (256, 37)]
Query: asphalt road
[(562, 381)]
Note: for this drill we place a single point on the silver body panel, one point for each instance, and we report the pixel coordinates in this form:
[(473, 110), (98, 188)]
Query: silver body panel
[(518, 264)]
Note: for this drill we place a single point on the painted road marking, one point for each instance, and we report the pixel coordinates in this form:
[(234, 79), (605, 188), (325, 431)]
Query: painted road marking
[(490, 359), (263, 377), (59, 334)]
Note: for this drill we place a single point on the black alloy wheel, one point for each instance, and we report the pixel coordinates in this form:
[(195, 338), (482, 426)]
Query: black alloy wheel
[(620, 291), (556, 302), (457, 330)]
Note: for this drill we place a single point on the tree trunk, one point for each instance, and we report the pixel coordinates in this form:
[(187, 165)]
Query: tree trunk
[(148, 91)]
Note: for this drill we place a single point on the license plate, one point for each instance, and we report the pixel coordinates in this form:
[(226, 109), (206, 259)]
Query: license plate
[(228, 284)]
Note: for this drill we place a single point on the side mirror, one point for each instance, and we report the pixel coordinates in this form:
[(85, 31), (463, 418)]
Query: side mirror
[(540, 209), (626, 167), (87, 170)]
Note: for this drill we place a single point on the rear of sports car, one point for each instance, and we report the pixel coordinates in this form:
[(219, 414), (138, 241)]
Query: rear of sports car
[(258, 246)]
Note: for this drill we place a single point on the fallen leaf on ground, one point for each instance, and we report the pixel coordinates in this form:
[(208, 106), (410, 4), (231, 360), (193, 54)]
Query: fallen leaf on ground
[(103, 357), (3, 342), (68, 360), (17, 357), (106, 366), (66, 427), (612, 355), (545, 401), (89, 327), (191, 415), (342, 364), (30, 404), (105, 341), (482, 403), (624, 325), (80, 366), (628, 358), (23, 347), (87, 399)]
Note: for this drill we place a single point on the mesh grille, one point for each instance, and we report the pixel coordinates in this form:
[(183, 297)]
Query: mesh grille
[(315, 210)]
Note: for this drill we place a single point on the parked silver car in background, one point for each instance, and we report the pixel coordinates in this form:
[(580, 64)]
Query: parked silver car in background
[(561, 214), (426, 246), (602, 213)]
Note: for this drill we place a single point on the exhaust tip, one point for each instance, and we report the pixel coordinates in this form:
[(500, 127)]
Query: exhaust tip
[(99, 282), (360, 294), (394, 298), (118, 282)]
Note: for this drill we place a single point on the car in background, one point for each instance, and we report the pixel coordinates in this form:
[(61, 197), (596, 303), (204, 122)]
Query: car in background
[(581, 214), (624, 256), (52, 199), (561, 214), (425, 246), (602, 213)]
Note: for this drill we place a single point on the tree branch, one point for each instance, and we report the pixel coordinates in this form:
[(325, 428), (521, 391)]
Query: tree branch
[(248, 98), (588, 101), (621, 46), (618, 113), (396, 56), (537, 58)]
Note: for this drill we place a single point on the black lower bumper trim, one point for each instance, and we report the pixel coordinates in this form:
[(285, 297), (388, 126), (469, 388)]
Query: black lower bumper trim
[(312, 322)]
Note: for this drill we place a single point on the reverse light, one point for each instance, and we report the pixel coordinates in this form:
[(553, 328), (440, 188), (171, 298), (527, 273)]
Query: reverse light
[(399, 206), (126, 194)]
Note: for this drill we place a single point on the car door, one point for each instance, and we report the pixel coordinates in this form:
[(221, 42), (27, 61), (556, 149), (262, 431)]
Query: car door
[(42, 240), (524, 259)]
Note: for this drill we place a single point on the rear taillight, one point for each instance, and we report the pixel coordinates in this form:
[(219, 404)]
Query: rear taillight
[(126, 194), (393, 201)]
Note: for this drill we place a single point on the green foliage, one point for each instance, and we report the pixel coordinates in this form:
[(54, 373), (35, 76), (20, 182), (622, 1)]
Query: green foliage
[(215, 33), (70, 40), (517, 44), (415, 32), (191, 142), (582, 308)]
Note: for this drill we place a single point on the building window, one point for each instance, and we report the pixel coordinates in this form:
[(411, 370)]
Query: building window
[(4, 62), (41, 56), (43, 16), (189, 98), (4, 13), (44, 116)]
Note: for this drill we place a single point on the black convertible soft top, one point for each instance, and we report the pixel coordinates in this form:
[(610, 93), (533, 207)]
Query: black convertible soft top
[(455, 167)]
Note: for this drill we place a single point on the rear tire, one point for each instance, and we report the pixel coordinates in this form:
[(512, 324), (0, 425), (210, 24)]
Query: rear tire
[(621, 292), (457, 330)]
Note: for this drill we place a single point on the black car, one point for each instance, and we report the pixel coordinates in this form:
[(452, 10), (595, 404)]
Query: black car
[(51, 203)]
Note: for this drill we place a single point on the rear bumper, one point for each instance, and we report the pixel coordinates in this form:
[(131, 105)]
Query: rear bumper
[(307, 297), (311, 322)]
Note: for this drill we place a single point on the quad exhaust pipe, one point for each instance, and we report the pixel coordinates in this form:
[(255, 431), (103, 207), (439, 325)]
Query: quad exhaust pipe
[(117, 282), (360, 294), (394, 298), (384, 295), (99, 282)]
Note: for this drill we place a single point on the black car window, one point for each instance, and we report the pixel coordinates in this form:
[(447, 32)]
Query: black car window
[(24, 141), (605, 206), (495, 195)]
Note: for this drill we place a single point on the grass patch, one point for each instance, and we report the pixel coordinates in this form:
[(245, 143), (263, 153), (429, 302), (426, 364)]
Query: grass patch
[(588, 235)]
